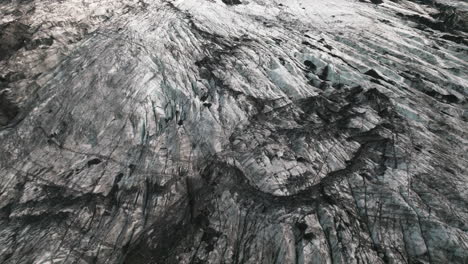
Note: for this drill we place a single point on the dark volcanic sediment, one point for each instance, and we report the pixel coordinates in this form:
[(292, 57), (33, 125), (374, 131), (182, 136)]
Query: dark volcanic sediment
[(233, 131)]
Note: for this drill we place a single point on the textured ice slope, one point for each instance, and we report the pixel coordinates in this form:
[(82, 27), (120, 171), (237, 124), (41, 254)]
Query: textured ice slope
[(233, 131)]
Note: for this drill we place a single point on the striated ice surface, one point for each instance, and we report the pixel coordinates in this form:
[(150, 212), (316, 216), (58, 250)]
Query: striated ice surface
[(233, 131)]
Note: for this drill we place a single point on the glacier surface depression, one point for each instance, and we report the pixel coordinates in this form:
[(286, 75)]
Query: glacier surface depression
[(233, 131)]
